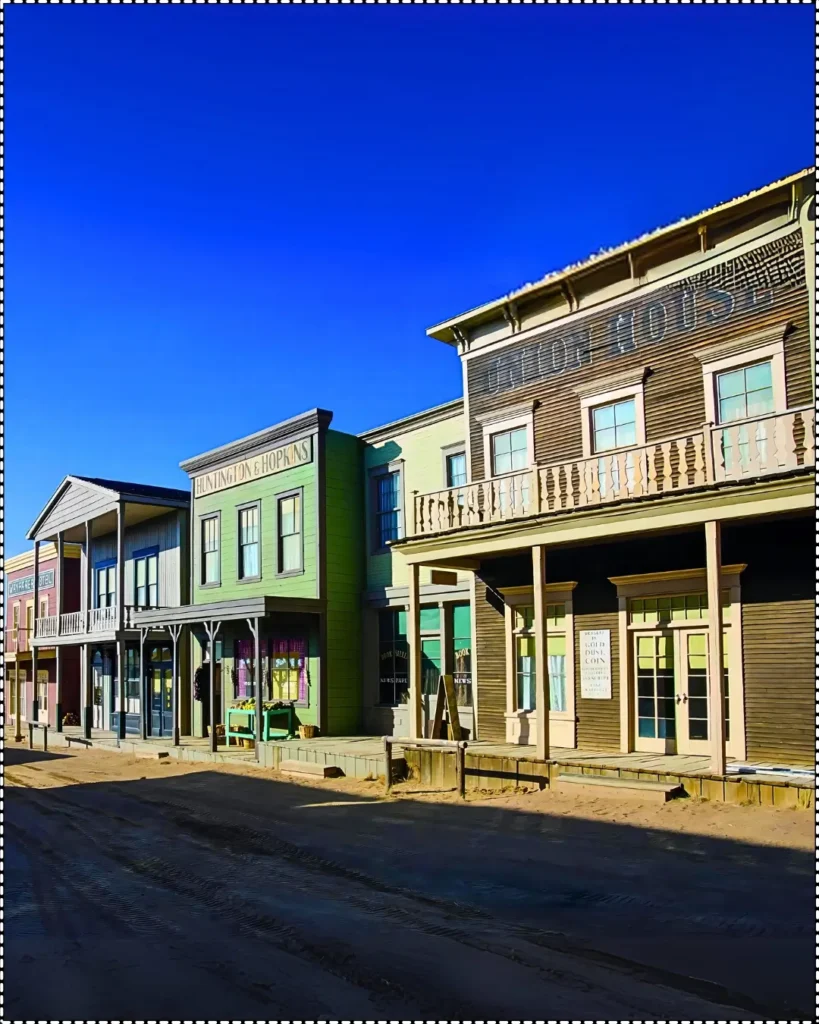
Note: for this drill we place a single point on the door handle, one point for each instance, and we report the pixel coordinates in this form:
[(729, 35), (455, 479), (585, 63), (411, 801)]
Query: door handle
[(682, 698)]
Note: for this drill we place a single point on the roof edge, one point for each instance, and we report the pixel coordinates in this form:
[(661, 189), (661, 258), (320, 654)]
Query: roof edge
[(414, 421)]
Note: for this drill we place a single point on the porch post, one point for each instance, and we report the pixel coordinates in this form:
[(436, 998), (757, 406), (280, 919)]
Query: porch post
[(88, 593), (716, 683), (144, 695), (541, 651), (58, 679), (120, 566), (35, 703), (212, 629), (416, 730), (175, 631), (258, 664), (121, 687), (18, 729), (88, 710)]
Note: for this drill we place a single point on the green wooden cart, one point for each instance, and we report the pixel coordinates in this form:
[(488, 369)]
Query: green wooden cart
[(268, 731)]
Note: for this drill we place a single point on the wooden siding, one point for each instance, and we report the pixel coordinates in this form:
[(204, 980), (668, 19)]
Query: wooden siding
[(762, 288), (164, 532), (344, 578), (490, 656), (265, 490), (77, 504), (598, 721)]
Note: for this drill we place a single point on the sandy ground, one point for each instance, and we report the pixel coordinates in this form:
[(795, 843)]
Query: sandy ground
[(151, 889)]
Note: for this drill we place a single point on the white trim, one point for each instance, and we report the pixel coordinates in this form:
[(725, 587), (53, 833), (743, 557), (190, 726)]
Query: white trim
[(774, 351), (503, 422), (599, 398)]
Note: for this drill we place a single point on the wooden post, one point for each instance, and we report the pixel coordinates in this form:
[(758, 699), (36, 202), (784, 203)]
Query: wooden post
[(18, 730), (716, 684), (144, 692), (35, 703), (88, 594), (58, 689), (212, 629), (88, 709), (175, 630), (708, 451), (121, 565), (387, 765), (460, 768), (254, 629), (60, 579), (541, 651), (121, 687), (416, 729)]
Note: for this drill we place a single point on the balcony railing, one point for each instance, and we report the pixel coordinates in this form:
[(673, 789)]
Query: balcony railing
[(17, 641), (72, 623), (736, 452), (101, 620), (46, 626)]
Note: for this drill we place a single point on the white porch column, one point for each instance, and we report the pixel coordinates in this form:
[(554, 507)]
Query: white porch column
[(121, 565), (34, 704), (541, 651), (716, 685), (414, 643)]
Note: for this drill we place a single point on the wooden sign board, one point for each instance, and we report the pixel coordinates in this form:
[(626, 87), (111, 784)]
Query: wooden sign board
[(446, 695), (595, 664)]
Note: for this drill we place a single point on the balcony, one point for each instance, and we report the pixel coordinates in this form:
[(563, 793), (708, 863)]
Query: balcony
[(72, 623), (46, 626), (17, 641), (95, 621), (744, 451)]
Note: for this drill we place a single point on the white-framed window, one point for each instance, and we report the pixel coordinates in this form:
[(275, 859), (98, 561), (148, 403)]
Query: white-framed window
[(146, 579), (508, 440), (509, 450), (210, 543), (290, 546), (387, 504), (613, 413), (249, 553), (456, 469)]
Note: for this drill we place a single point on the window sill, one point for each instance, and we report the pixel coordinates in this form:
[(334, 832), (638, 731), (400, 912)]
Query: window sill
[(249, 579), (210, 586), (289, 573)]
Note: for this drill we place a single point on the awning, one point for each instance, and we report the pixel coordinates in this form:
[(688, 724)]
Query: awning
[(225, 611)]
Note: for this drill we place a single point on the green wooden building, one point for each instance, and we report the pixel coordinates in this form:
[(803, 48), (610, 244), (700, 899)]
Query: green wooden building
[(277, 574)]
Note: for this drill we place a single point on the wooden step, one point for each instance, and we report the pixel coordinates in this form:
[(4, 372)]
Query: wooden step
[(320, 771), (152, 755), (653, 792)]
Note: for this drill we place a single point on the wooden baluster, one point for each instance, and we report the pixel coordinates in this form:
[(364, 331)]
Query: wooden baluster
[(556, 484), (651, 462), (755, 463), (779, 456), (667, 472), (809, 423), (698, 440), (639, 473)]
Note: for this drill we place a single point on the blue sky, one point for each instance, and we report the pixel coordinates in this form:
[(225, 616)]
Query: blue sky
[(220, 216)]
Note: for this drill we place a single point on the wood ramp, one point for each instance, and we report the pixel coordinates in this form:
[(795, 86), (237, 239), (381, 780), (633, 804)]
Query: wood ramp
[(573, 783)]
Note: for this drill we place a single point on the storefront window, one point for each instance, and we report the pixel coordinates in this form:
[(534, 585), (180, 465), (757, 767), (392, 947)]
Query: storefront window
[(393, 657), (288, 669), (658, 610), (524, 620), (462, 653), (244, 677), (430, 665), (132, 673)]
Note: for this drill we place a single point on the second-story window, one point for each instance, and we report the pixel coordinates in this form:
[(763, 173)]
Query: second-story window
[(44, 607), (614, 426), (146, 580), (745, 392), (456, 470), (388, 508), (510, 451), (291, 554), (107, 585), (210, 551), (15, 617), (249, 533)]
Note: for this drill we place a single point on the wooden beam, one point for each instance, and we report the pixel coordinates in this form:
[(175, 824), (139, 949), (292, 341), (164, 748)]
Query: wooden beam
[(541, 652), (716, 684), (416, 729), (35, 703)]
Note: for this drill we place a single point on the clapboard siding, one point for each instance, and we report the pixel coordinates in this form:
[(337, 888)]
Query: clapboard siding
[(166, 533), (598, 721), (539, 369), (75, 506), (490, 657), (778, 664)]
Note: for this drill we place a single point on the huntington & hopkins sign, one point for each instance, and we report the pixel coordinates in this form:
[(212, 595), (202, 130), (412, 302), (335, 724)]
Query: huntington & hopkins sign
[(297, 453)]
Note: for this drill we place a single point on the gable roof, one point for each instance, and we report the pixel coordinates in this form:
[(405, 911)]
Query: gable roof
[(125, 489)]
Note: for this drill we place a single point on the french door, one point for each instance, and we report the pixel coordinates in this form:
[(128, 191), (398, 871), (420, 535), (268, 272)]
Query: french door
[(671, 683)]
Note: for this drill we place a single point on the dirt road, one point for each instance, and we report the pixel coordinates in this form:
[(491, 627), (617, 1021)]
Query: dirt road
[(145, 890)]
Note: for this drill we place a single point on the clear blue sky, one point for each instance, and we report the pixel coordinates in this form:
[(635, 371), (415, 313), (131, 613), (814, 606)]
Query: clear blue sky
[(218, 217)]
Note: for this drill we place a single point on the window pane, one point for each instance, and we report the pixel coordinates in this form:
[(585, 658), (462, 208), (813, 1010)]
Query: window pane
[(461, 620), (760, 402), (141, 572), (430, 618), (291, 553), (605, 439), (624, 412), (731, 384), (525, 660), (603, 417), (758, 377), (455, 470)]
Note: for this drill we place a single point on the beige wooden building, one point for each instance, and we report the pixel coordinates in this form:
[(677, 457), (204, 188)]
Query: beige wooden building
[(638, 508)]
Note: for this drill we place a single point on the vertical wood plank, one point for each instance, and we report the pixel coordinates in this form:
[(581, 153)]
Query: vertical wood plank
[(541, 653), (414, 644), (716, 686)]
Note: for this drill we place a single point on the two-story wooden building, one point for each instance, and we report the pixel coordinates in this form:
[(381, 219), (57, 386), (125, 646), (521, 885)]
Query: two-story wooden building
[(401, 460), (20, 610), (133, 540), (277, 575), (638, 505)]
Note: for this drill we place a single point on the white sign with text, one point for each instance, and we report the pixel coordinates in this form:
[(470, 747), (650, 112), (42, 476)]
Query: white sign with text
[(595, 664)]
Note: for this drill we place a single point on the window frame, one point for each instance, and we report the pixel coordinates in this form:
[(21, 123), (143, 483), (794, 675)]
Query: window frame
[(718, 359), (447, 452), (502, 422), (565, 721), (104, 563), (282, 496), (610, 392), (203, 584), (375, 474), (143, 555), (239, 510)]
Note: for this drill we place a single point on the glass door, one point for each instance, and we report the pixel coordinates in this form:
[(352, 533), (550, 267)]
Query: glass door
[(656, 704), (692, 691), (161, 688)]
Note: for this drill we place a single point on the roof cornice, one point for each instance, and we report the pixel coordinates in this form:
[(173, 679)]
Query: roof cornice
[(425, 418), (48, 550), (263, 440)]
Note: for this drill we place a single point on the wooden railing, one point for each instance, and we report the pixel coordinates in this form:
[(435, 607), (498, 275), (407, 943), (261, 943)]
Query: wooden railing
[(46, 626), (100, 620), (72, 623), (746, 450), (17, 641)]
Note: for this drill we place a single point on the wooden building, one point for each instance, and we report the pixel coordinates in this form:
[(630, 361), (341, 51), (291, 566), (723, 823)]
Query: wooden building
[(637, 512), (402, 459), (116, 548), (277, 574), (21, 612)]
